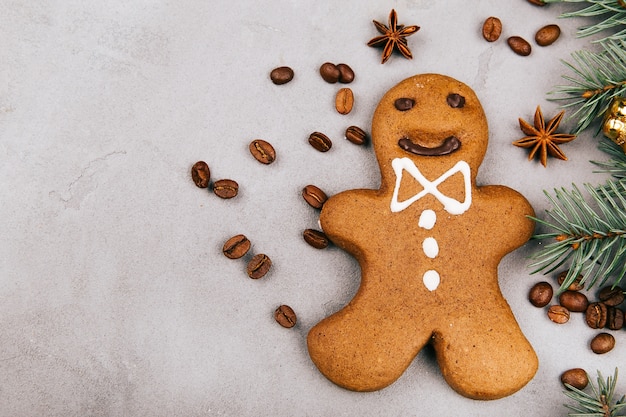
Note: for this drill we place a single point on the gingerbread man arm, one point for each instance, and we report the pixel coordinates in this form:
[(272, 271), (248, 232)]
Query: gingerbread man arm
[(514, 208), (344, 227)]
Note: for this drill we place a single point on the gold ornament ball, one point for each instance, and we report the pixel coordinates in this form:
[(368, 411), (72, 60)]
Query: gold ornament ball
[(618, 107), (614, 126)]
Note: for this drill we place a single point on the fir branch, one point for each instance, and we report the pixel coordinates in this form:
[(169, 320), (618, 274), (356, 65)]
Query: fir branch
[(592, 240), (597, 79), (616, 166), (615, 21), (600, 402)]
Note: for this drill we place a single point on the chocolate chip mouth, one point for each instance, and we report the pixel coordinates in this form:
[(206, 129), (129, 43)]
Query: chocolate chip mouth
[(449, 145)]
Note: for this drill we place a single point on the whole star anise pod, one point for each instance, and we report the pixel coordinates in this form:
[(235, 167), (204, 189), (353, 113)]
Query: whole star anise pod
[(542, 137), (393, 37)]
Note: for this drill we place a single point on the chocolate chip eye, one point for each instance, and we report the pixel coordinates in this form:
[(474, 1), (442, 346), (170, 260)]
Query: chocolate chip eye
[(456, 101), (404, 104)]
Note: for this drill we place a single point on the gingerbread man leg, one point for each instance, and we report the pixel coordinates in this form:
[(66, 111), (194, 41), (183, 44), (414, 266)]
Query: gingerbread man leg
[(471, 360), (365, 349)]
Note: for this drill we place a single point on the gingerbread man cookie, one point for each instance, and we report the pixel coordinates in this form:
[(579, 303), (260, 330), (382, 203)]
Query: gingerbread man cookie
[(428, 242)]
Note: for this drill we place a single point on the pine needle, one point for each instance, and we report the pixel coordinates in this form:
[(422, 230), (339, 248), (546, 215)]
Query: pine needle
[(597, 79), (616, 166), (590, 236), (599, 402), (614, 18)]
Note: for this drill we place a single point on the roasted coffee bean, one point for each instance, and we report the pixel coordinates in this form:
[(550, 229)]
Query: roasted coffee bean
[(225, 188), (236, 247), (262, 151), (595, 315), (456, 101), (492, 29), (344, 100), (201, 174), (320, 141), (547, 35), (346, 75), (576, 377), (258, 266), (611, 296), (614, 318), (558, 314), (315, 238), (519, 45), (540, 294), (314, 196), (537, 2), (356, 135), (285, 316), (329, 72), (404, 104), (281, 75), (575, 285), (574, 301), (602, 343)]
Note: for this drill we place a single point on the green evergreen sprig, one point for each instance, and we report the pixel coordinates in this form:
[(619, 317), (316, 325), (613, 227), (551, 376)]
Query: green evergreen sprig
[(591, 237), (616, 165), (600, 402), (612, 11), (598, 78)]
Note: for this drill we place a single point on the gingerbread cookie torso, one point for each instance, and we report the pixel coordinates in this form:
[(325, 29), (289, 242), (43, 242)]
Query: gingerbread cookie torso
[(428, 242)]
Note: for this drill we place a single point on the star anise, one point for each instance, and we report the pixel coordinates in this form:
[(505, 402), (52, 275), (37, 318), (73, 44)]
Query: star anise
[(393, 37), (542, 137)]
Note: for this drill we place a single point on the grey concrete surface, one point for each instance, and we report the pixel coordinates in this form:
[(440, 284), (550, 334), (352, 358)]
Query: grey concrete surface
[(115, 299)]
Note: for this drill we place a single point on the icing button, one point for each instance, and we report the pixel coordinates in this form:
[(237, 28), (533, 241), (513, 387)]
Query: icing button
[(431, 280), (427, 220), (430, 247)]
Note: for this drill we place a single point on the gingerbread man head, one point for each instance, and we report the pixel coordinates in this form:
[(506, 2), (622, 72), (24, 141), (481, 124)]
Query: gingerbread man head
[(432, 119)]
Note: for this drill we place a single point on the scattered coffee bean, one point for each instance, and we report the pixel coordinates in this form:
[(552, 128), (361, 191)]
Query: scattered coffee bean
[(540, 294), (225, 188), (329, 72), (614, 318), (236, 247), (285, 316), (547, 35), (576, 377), (574, 301), (201, 174), (320, 141), (281, 75), (595, 315), (356, 135), (492, 29), (558, 314), (314, 196), (346, 75), (262, 151), (602, 343), (574, 286), (404, 104), (537, 2), (315, 238), (344, 100), (258, 266), (519, 45), (611, 296), (456, 101), (332, 73)]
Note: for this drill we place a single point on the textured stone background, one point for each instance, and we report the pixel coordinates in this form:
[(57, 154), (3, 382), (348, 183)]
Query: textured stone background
[(114, 297)]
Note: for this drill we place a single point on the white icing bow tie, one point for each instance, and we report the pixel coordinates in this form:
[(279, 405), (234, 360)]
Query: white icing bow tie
[(451, 205)]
